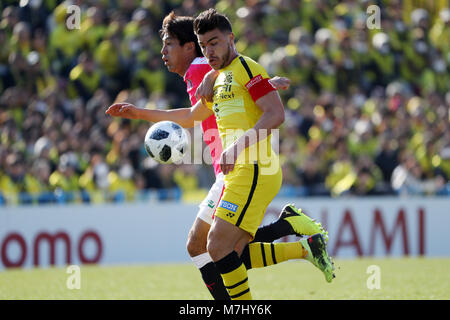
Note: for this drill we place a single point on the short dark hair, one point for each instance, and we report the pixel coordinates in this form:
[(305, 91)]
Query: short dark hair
[(182, 28), (209, 20)]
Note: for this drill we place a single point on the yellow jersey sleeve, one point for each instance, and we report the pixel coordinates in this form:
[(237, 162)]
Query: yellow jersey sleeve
[(254, 78), (250, 69)]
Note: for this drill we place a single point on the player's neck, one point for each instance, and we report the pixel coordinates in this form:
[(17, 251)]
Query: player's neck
[(186, 66), (233, 56)]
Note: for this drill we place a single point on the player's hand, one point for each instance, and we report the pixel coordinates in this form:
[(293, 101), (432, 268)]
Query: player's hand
[(205, 91), (280, 82), (228, 159), (124, 110)]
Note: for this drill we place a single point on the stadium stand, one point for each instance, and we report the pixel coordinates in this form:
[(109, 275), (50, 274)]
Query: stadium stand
[(367, 110)]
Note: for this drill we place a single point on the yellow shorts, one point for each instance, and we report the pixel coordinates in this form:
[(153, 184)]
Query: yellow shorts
[(247, 195)]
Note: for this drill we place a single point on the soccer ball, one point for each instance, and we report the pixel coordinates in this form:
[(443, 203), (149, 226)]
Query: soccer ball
[(166, 142)]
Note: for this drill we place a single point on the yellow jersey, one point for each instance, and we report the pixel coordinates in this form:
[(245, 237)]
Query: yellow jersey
[(235, 108)]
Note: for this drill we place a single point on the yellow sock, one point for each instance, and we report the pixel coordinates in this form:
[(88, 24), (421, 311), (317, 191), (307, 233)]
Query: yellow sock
[(236, 283), (263, 254), (234, 275)]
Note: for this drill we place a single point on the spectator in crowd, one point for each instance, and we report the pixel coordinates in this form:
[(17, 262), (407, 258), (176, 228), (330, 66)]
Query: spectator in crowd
[(367, 110), (407, 179)]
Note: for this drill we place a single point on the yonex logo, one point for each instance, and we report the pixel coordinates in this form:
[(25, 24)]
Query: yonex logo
[(228, 205)]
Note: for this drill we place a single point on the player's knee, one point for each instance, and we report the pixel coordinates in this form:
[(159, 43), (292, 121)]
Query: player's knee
[(215, 246), (195, 245), (212, 247), (241, 245)]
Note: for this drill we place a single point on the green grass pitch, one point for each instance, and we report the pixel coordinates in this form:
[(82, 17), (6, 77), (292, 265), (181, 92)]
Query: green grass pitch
[(400, 278)]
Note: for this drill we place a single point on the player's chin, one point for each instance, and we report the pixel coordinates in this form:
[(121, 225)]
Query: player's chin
[(215, 64), (169, 67)]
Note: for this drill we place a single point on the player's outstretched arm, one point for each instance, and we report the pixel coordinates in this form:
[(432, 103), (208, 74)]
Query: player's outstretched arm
[(185, 117), (206, 88), (280, 83)]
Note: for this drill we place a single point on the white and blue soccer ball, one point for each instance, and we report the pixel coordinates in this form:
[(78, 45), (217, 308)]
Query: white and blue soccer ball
[(166, 142)]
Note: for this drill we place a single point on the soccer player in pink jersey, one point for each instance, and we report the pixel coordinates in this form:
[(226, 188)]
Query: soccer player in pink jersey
[(182, 55)]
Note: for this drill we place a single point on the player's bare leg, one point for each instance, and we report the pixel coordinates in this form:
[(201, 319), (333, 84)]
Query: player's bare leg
[(196, 242)]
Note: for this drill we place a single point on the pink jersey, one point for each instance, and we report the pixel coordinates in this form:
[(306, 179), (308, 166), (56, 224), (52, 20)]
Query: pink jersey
[(193, 77)]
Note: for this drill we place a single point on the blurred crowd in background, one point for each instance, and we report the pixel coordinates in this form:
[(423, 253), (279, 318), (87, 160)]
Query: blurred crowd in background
[(367, 112)]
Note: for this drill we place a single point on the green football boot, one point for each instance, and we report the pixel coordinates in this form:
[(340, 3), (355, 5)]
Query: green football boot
[(318, 255), (302, 224)]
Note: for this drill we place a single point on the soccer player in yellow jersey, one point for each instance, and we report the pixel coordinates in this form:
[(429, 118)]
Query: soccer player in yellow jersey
[(182, 57), (247, 108)]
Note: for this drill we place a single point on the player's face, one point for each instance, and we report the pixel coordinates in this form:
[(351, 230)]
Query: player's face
[(172, 54), (217, 47)]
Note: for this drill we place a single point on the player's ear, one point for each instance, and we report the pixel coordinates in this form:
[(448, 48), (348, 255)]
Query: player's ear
[(231, 35), (190, 46)]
